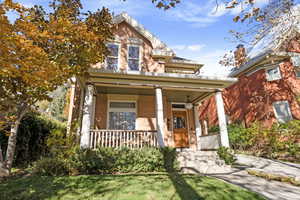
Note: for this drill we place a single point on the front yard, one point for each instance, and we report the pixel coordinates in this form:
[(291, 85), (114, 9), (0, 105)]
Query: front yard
[(131, 187)]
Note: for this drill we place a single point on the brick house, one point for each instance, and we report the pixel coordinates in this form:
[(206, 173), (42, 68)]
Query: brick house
[(268, 85), (144, 95)]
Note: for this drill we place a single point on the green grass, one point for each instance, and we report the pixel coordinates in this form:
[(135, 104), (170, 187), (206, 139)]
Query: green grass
[(122, 187)]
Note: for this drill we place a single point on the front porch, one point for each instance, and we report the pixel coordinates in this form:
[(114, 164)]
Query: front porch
[(149, 110)]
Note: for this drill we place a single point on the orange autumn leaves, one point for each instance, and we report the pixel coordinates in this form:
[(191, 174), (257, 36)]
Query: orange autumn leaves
[(40, 50)]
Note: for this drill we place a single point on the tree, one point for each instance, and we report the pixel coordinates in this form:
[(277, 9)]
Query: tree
[(275, 24), (40, 51)]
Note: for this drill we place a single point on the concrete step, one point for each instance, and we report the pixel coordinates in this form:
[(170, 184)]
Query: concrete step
[(205, 162)]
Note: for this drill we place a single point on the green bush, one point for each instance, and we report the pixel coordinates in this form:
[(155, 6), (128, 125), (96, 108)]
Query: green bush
[(113, 160), (32, 135), (214, 129), (281, 141), (50, 167), (227, 155)]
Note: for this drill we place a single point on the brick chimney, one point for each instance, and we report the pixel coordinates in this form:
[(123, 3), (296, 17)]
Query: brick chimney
[(239, 55)]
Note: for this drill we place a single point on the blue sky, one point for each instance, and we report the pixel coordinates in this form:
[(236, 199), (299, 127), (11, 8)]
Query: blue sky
[(195, 29)]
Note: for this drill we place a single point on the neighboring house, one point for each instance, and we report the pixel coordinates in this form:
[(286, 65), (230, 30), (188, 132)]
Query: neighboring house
[(143, 95), (268, 87)]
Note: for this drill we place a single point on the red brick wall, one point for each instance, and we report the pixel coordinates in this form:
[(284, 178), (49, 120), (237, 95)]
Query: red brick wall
[(124, 32), (251, 98)]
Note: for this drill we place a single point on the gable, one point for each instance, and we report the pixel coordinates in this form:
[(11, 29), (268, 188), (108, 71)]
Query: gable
[(159, 47)]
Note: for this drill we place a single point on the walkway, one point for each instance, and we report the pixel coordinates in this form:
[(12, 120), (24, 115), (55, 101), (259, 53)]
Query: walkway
[(274, 190), (270, 166), (270, 189)]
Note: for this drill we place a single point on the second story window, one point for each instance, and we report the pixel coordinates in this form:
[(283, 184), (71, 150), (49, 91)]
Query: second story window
[(112, 59), (133, 58), (273, 73)]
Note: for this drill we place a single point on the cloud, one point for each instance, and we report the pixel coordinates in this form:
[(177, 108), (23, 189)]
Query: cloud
[(193, 47), (211, 63), (132, 7), (197, 14), (210, 58), (220, 9)]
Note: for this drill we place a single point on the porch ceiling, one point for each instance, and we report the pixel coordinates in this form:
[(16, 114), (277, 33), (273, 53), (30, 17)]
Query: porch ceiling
[(172, 95)]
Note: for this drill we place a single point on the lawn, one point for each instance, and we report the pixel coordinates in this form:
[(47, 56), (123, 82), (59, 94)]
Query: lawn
[(123, 187)]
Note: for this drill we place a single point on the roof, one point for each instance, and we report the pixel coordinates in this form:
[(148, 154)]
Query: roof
[(177, 59), (270, 44)]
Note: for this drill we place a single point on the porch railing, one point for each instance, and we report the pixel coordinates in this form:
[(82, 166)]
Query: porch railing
[(123, 138)]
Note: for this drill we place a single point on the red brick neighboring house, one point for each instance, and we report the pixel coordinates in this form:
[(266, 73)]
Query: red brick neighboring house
[(268, 87)]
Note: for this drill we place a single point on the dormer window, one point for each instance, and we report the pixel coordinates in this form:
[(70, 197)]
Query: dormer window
[(112, 60), (133, 58)]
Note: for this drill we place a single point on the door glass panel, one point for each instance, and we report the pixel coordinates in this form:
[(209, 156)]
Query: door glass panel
[(179, 122)]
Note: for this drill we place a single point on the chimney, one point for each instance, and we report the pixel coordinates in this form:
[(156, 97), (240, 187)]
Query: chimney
[(239, 55)]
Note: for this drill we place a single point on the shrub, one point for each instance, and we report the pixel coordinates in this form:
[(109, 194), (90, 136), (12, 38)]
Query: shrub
[(32, 135), (227, 155), (281, 141), (214, 129), (111, 160), (50, 167)]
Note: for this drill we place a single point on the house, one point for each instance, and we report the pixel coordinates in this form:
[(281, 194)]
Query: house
[(268, 86), (144, 95)]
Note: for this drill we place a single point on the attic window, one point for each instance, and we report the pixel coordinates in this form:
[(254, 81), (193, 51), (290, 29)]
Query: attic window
[(273, 73)]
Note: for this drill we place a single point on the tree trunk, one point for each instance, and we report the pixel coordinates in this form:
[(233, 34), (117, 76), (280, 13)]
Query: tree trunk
[(12, 141), (3, 170)]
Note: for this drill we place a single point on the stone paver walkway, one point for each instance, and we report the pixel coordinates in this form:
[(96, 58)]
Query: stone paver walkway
[(273, 190), (270, 166)]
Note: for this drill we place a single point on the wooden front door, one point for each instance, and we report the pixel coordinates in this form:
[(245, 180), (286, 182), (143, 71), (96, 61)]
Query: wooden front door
[(180, 129)]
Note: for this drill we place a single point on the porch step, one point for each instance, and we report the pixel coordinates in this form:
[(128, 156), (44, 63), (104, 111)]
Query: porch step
[(204, 162)]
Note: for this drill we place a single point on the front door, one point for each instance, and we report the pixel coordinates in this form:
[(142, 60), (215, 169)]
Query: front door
[(180, 129)]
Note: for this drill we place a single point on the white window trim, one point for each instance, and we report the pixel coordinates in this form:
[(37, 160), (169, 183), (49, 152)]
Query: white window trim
[(273, 67), (140, 56), (119, 54), (288, 110), (120, 110)]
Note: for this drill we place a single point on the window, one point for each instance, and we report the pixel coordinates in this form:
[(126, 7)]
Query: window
[(273, 73), (297, 72), (112, 59), (177, 105), (179, 122), (282, 111), (296, 61), (133, 58), (121, 115)]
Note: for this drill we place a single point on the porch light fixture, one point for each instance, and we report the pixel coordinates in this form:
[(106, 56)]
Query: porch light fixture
[(188, 105)]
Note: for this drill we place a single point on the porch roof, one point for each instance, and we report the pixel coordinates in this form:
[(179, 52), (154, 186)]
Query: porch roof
[(178, 87)]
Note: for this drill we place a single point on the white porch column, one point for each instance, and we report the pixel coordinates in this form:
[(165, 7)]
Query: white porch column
[(87, 116), (159, 117), (222, 119), (197, 126)]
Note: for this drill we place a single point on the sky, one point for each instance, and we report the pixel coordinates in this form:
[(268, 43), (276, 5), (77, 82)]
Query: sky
[(194, 29)]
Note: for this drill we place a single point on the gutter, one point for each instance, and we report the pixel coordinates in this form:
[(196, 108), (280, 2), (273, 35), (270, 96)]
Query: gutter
[(163, 76)]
